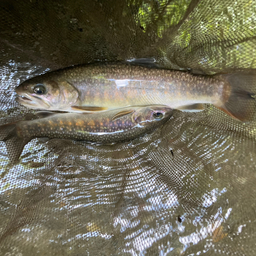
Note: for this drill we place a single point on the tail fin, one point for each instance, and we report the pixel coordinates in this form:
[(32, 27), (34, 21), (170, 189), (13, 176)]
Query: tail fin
[(241, 103), (14, 144)]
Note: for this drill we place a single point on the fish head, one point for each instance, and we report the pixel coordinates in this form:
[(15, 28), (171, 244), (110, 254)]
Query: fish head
[(152, 114), (49, 94)]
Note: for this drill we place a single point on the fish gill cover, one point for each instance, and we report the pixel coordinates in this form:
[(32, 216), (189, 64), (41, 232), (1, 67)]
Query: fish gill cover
[(185, 189)]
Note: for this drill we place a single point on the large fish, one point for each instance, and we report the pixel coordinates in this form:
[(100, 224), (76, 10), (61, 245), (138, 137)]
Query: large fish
[(98, 87), (106, 127)]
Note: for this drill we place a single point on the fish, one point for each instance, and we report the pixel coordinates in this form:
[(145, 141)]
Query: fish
[(100, 87), (107, 127)]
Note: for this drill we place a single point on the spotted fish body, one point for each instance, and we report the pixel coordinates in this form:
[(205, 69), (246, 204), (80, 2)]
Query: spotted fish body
[(99, 87), (106, 127), (95, 127), (120, 85)]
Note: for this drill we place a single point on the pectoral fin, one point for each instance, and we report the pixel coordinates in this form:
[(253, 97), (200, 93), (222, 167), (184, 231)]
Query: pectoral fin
[(88, 108), (43, 114), (192, 108), (122, 113)]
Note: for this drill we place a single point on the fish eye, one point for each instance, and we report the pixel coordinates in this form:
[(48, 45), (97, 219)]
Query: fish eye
[(39, 89), (158, 115)]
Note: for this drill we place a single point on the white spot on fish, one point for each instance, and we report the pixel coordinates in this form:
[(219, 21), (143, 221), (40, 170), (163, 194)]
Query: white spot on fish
[(123, 82), (120, 82)]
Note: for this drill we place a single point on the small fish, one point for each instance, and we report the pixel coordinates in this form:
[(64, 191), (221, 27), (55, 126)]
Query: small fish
[(104, 86), (106, 127)]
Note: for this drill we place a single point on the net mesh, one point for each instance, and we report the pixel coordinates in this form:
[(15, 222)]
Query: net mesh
[(186, 189)]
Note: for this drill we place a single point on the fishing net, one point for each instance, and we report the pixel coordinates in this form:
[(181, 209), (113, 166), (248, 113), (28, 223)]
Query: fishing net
[(185, 189)]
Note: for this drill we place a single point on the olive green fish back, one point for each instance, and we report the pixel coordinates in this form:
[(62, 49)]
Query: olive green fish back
[(186, 189)]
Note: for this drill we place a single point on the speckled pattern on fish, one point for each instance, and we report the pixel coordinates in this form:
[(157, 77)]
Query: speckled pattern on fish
[(105, 127), (104, 86)]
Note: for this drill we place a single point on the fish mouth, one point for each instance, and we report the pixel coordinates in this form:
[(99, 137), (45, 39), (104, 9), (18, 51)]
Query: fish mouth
[(24, 98), (32, 101)]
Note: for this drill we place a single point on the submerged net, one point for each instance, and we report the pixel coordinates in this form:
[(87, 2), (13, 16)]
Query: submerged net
[(186, 189)]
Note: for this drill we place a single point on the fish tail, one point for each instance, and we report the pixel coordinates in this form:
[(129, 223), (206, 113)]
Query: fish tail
[(240, 101), (14, 144)]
